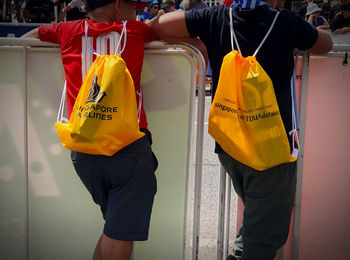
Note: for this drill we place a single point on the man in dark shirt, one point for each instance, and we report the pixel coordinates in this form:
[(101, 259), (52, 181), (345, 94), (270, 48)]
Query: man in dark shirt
[(268, 196), (71, 13), (192, 4), (336, 9), (39, 11), (341, 22)]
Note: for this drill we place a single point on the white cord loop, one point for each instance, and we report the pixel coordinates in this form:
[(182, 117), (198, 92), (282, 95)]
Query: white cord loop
[(233, 35), (62, 102)]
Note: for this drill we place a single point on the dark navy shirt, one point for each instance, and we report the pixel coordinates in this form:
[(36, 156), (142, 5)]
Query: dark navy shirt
[(339, 22), (290, 32)]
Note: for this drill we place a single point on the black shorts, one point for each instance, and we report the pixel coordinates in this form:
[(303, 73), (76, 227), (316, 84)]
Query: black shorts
[(123, 185)]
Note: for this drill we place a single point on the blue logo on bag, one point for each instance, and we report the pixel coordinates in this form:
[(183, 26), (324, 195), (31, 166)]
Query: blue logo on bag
[(95, 95)]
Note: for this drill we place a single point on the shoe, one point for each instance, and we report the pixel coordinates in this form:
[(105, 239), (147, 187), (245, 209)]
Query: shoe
[(238, 253)]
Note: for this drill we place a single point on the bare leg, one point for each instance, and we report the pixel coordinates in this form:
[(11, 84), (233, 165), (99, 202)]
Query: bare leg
[(113, 249), (98, 251)]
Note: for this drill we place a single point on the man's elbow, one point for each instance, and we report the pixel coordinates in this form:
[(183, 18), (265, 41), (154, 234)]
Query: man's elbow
[(324, 43)]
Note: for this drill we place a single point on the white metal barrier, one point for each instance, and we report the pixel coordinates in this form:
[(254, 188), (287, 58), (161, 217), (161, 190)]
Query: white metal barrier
[(32, 77)]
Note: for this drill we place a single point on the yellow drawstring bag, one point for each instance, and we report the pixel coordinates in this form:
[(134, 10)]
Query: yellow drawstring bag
[(104, 118), (244, 117)]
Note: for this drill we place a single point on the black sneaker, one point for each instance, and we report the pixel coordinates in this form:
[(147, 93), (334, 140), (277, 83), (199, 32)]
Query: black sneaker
[(238, 254)]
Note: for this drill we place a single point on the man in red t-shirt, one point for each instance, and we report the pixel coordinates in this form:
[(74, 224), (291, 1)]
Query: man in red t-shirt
[(124, 184)]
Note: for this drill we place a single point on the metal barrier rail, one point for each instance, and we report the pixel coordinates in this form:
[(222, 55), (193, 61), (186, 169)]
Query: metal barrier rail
[(195, 56)]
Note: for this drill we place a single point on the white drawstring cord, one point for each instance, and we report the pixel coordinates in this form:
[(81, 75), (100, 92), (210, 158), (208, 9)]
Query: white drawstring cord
[(123, 33), (88, 46), (294, 131), (62, 102), (267, 34), (233, 35), (139, 93)]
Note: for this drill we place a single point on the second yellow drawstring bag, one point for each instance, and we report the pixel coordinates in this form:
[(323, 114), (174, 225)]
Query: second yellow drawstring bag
[(244, 116)]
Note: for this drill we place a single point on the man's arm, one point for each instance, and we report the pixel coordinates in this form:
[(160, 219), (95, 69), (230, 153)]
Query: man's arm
[(64, 12), (170, 25), (341, 30), (323, 44), (31, 34)]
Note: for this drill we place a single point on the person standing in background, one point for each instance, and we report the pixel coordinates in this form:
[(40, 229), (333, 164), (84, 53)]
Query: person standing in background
[(168, 6), (192, 4), (39, 11), (152, 10), (314, 17), (336, 9), (77, 6), (341, 22)]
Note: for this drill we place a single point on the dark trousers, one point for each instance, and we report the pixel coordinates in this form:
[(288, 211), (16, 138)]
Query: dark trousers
[(268, 198)]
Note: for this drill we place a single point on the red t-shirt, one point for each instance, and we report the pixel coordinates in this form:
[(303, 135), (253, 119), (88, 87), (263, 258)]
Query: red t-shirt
[(76, 60), (228, 3)]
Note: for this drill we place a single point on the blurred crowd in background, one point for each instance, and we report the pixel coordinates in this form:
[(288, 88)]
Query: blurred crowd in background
[(324, 14)]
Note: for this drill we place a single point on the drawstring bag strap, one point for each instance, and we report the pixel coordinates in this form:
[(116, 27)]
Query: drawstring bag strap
[(233, 35), (123, 34), (295, 119), (139, 106), (267, 34), (62, 102), (88, 46)]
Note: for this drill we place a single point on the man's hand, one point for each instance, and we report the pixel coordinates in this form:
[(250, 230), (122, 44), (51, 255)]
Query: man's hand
[(342, 30), (312, 18), (155, 19)]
